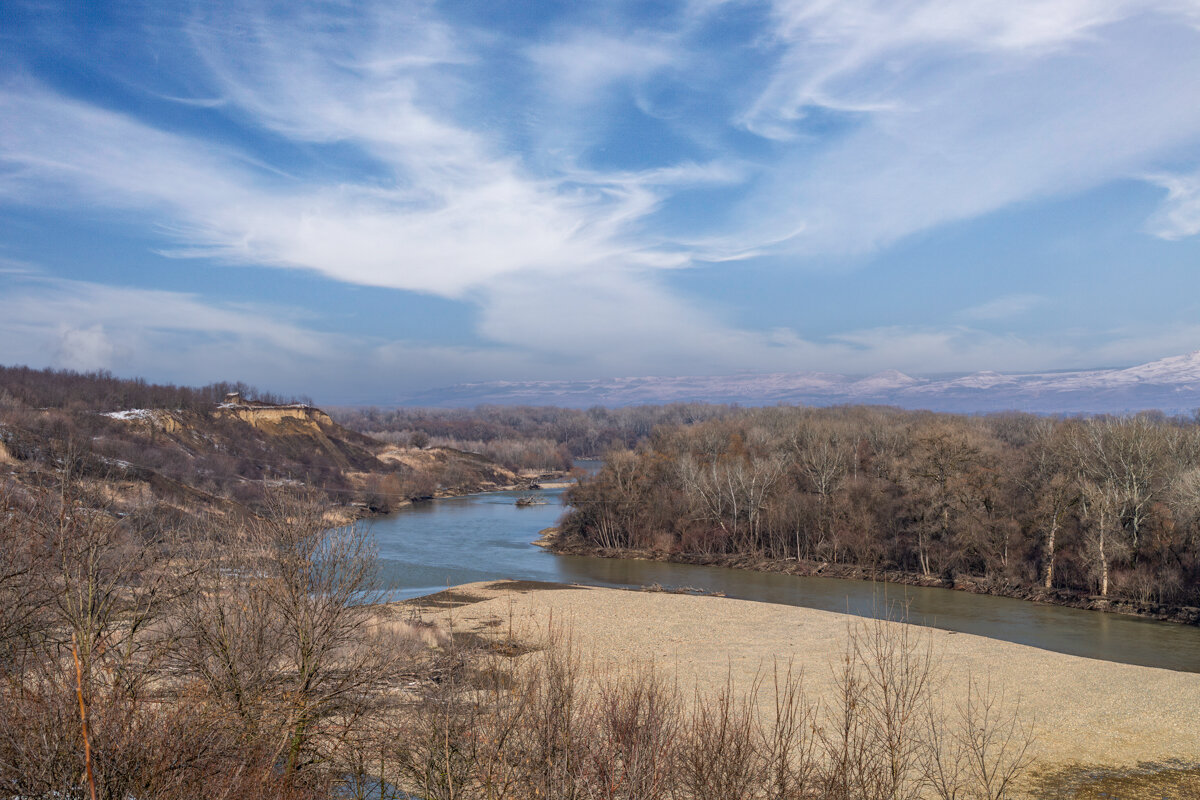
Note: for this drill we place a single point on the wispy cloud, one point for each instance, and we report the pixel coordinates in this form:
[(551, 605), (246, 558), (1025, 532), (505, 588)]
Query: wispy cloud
[(858, 56), (1002, 308), (462, 221), (186, 338), (92, 326), (853, 126), (12, 266), (957, 110), (1179, 216), (575, 69)]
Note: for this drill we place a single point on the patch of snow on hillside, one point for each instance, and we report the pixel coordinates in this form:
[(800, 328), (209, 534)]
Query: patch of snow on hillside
[(132, 413), (1176, 369), (981, 380), (886, 381), (1170, 384)]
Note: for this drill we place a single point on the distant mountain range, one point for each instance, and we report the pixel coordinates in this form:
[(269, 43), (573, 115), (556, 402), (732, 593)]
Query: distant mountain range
[(1171, 385)]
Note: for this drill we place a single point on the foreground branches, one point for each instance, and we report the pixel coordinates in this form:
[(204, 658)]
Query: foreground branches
[(548, 726), (249, 660)]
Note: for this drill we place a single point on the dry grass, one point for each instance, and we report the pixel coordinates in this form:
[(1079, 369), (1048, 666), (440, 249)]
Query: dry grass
[(551, 724), (1088, 711)]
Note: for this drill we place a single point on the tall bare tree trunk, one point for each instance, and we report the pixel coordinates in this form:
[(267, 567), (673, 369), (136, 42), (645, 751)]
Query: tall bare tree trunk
[(1050, 536), (1103, 564)]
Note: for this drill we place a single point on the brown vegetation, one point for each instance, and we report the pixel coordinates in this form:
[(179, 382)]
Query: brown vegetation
[(526, 437), (229, 661), (101, 391), (1101, 507), (173, 580), (186, 452), (549, 725), (248, 661)]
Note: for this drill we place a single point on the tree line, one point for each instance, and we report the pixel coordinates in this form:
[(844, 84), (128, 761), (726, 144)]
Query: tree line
[(100, 390), (524, 437), (1108, 506)]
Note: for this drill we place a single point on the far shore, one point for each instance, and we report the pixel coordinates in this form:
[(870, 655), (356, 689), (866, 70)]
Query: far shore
[(1185, 615), (1090, 716), (346, 515)]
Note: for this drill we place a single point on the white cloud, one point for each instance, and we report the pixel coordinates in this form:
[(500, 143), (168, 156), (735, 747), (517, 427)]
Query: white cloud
[(619, 327), (1179, 216), (925, 350), (957, 110), (14, 266), (609, 332), (1136, 344), (576, 68), (454, 215), (85, 325), (84, 349), (854, 55)]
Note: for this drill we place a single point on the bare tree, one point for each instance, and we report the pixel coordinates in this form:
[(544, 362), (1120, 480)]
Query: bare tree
[(732, 493), (823, 462), (1050, 490), (1101, 506), (281, 630), (1127, 456), (942, 457), (978, 749), (23, 599)]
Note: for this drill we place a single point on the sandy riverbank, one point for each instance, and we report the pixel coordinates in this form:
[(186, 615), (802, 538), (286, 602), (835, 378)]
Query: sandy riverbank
[(1087, 712)]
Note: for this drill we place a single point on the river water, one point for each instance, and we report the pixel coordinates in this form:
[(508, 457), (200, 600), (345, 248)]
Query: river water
[(429, 546)]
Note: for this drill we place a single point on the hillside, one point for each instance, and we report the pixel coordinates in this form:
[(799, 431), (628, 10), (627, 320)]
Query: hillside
[(211, 457)]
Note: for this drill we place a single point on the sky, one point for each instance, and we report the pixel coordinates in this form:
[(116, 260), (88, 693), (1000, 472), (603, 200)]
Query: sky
[(357, 201)]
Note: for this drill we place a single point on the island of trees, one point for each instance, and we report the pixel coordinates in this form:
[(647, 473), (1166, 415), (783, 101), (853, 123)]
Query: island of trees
[(1098, 511)]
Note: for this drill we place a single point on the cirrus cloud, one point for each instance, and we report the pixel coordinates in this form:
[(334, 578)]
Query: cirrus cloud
[(377, 145)]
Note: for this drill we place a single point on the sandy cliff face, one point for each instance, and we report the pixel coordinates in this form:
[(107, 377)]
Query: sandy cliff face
[(238, 449), (455, 471), (298, 427), (266, 417), (158, 418)]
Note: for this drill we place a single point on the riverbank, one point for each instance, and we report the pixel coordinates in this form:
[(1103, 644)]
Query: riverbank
[(1088, 714), (1186, 615), (479, 481)]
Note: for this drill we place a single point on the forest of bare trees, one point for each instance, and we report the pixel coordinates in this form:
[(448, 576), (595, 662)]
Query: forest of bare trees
[(101, 391), (526, 437), (1105, 506)]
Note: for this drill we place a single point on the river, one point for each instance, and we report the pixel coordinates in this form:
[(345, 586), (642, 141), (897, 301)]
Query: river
[(429, 546)]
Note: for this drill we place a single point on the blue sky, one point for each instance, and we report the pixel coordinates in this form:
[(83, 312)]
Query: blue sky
[(360, 200)]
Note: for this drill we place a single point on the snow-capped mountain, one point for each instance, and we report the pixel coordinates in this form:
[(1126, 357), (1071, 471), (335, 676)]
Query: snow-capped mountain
[(1171, 385)]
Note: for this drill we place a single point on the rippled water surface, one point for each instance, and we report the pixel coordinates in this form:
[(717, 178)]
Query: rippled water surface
[(430, 546)]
